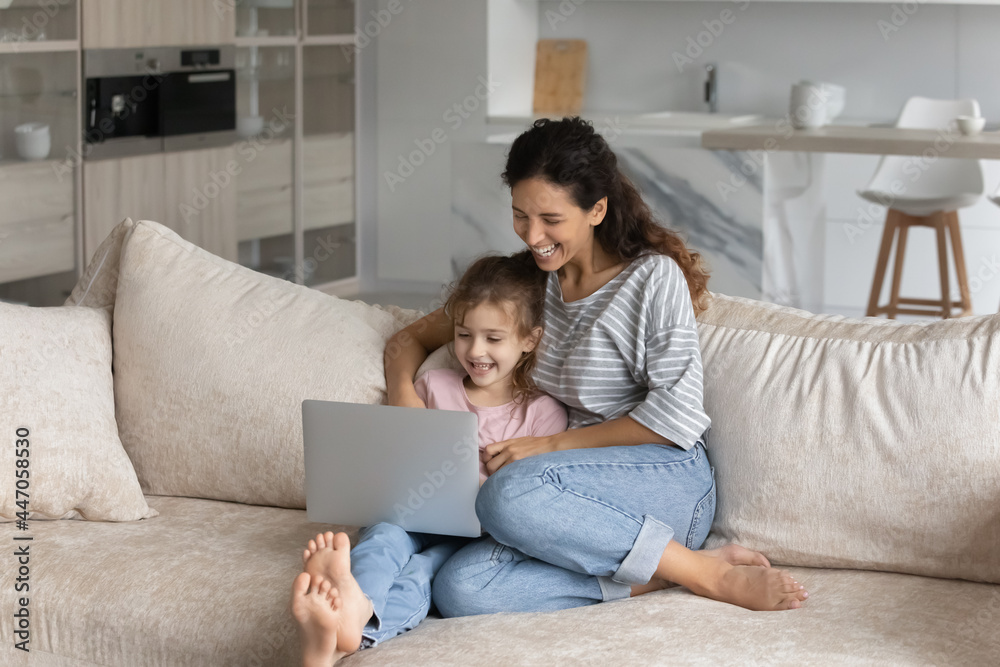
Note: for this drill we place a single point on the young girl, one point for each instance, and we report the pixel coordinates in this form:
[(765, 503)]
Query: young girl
[(350, 599)]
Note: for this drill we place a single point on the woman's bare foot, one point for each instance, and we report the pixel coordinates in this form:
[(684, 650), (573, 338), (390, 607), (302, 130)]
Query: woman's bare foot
[(711, 574), (317, 607), (329, 558), (733, 554), (653, 585)]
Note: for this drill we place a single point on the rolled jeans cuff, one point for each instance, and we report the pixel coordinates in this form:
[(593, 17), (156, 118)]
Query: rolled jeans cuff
[(640, 564)]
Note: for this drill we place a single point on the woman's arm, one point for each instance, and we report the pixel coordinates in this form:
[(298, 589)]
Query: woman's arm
[(612, 433), (407, 349)]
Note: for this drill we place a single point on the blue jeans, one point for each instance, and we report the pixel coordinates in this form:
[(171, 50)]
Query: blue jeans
[(395, 570), (577, 527)]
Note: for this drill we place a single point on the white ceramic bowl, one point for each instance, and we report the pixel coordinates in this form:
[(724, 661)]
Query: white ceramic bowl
[(249, 126), (970, 125), (33, 141)]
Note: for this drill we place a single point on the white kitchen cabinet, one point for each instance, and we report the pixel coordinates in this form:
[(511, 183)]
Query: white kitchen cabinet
[(37, 221), (109, 24), (185, 191), (264, 193)]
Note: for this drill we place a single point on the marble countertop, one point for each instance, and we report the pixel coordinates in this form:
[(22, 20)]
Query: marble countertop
[(875, 140)]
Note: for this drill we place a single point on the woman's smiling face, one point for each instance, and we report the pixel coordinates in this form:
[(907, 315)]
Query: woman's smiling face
[(551, 224)]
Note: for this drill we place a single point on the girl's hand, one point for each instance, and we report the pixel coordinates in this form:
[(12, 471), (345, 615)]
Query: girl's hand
[(501, 453)]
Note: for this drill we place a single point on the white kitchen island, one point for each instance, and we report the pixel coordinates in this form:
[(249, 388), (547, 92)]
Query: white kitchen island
[(815, 216)]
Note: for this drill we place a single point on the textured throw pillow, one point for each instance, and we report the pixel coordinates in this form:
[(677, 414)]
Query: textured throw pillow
[(855, 443), (213, 360), (57, 418)]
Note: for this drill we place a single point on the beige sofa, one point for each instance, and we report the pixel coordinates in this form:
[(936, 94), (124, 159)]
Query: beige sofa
[(864, 455)]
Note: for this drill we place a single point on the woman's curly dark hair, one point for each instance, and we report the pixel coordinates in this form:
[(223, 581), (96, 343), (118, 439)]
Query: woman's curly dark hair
[(570, 154)]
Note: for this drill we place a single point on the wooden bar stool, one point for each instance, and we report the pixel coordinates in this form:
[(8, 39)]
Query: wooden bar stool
[(897, 225), (925, 191)]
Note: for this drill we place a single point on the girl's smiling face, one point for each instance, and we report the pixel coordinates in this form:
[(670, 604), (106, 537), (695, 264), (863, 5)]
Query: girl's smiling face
[(488, 345), (551, 224)]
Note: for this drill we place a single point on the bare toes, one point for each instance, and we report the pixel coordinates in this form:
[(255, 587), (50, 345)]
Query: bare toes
[(301, 584)]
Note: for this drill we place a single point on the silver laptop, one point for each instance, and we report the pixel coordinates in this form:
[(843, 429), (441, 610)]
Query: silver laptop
[(413, 467)]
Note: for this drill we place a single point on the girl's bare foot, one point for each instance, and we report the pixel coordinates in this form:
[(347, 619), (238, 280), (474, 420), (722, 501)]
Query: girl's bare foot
[(329, 557), (316, 607), (711, 574)]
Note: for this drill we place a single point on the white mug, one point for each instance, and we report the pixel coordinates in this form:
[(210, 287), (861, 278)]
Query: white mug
[(33, 141), (808, 106)]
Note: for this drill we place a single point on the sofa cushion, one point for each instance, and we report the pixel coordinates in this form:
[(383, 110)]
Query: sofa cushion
[(57, 417), (207, 583), (213, 360), (856, 443)]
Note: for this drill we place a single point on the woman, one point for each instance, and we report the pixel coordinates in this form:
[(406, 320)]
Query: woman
[(618, 504)]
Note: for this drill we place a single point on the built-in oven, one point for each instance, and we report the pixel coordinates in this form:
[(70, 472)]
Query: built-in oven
[(158, 99)]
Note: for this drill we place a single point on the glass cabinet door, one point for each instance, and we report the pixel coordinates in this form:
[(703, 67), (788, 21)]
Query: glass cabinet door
[(34, 21), (265, 121), (328, 156), (265, 18), (329, 17), (38, 157)]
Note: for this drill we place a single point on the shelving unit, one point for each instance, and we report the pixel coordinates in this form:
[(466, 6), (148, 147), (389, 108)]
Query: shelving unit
[(291, 212), (295, 200), (40, 230)]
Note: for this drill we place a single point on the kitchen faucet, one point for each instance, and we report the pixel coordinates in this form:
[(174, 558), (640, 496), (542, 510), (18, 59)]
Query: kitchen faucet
[(711, 92)]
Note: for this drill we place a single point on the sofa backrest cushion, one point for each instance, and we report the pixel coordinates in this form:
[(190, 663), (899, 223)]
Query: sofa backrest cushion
[(62, 456), (213, 360), (855, 443)]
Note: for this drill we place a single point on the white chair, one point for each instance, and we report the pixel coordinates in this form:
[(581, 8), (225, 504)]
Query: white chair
[(922, 191)]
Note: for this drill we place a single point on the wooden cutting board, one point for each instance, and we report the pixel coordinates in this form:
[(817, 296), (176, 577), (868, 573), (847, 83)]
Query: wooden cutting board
[(560, 76)]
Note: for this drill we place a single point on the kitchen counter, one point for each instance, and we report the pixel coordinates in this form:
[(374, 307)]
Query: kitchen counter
[(779, 136)]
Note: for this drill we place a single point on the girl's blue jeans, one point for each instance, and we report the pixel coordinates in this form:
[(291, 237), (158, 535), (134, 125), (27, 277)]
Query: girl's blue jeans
[(566, 529)]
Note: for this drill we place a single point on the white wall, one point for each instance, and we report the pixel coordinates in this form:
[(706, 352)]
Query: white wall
[(433, 52), (431, 56), (636, 52), (939, 51)]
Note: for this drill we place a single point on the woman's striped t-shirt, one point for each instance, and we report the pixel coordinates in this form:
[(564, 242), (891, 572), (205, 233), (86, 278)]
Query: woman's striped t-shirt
[(630, 348)]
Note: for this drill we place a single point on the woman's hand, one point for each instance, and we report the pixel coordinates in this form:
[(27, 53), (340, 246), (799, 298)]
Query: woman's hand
[(501, 453)]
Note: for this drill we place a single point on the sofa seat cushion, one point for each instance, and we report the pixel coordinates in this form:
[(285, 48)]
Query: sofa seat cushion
[(206, 583)]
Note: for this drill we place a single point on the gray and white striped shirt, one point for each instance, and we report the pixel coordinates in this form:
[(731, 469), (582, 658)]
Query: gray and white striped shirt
[(630, 348)]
